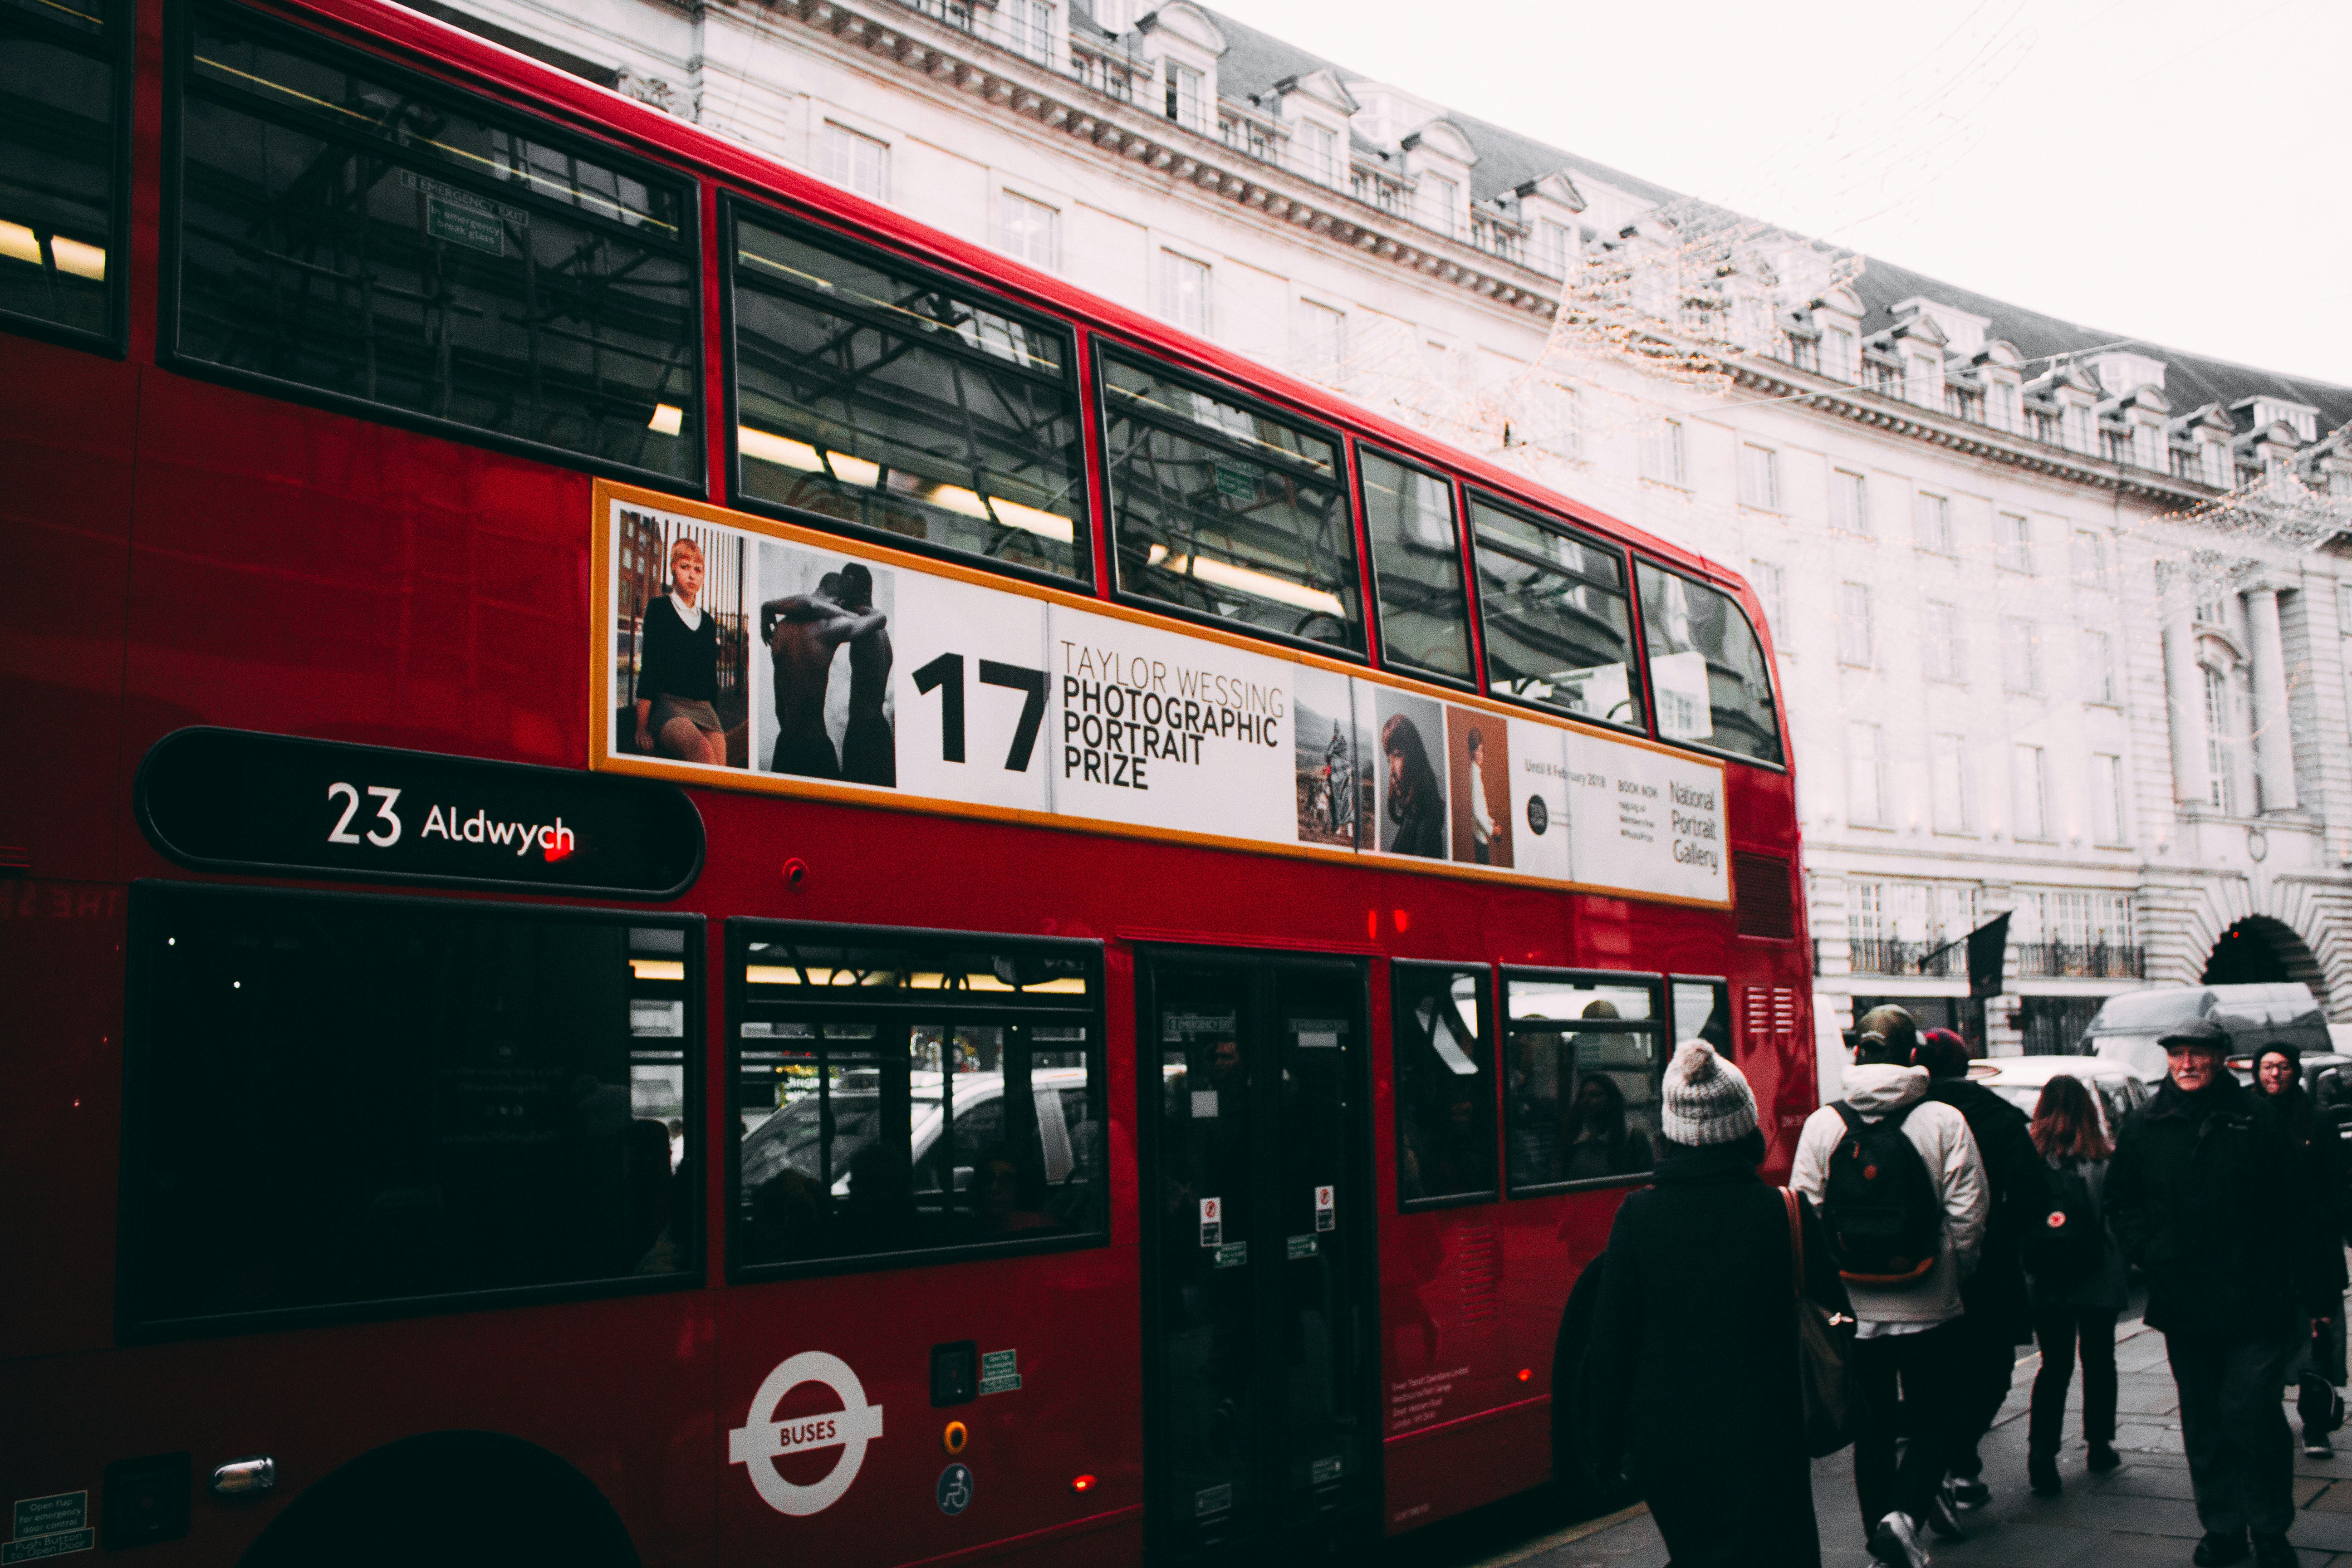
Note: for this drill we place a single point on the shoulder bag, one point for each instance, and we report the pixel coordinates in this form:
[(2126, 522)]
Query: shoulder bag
[(1825, 1382)]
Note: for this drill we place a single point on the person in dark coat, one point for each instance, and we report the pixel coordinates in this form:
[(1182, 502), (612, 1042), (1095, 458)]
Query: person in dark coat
[(1692, 1363), (2000, 1314), (2079, 1285), (2205, 1196), (2316, 1370)]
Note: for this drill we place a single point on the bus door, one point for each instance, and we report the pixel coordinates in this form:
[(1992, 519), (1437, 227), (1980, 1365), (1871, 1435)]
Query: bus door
[(1260, 1338)]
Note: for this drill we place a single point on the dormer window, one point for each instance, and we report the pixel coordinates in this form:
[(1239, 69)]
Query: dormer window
[(1319, 148), (1187, 99), (1838, 356), (1115, 16), (1438, 196), (1029, 29), (2299, 417), (2004, 404), (1554, 245)]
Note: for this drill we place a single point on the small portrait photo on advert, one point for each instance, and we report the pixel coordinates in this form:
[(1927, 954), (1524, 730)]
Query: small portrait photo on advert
[(1478, 765), (1334, 761), (681, 647), (826, 625), (1413, 791)]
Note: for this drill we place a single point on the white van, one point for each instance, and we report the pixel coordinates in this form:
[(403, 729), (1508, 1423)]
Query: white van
[(2128, 1027)]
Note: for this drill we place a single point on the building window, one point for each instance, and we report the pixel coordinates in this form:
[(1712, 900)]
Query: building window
[(1772, 588), (1942, 651), (2030, 790), (1029, 27), (1187, 101), (1931, 523), (2004, 404), (1554, 243), (1320, 152), (1662, 452), (2220, 788), (1439, 197), (1837, 358), (1849, 503), (1868, 917), (2013, 542), (1029, 230), (2099, 668), (1854, 625), (1947, 783), (1865, 775), (1759, 478), (2212, 608), (1322, 346), (855, 161), (2090, 560), (2107, 799), (1183, 291), (2020, 658), (1805, 353), (1562, 431)]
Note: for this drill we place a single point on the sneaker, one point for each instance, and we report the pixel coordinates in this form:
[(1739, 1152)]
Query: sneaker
[(1968, 1491), (2103, 1459), (2316, 1445), (1942, 1516), (2042, 1475), (2273, 1551), (2217, 1550), (1896, 1544)]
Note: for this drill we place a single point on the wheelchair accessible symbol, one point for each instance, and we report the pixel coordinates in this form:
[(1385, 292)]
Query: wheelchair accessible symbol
[(762, 1439), (954, 1490)]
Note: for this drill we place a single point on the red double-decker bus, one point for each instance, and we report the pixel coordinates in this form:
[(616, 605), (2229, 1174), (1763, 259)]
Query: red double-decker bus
[(694, 874)]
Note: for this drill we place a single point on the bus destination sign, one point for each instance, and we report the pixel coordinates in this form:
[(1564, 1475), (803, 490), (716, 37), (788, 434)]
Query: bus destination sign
[(232, 800)]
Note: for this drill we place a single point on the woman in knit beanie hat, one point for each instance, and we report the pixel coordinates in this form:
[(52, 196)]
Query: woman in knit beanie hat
[(1692, 1363)]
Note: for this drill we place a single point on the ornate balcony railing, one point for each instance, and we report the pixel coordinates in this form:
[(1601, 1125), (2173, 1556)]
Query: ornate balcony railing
[(2080, 961)]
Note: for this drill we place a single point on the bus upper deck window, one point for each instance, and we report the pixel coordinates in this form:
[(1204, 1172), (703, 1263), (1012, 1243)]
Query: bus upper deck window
[(874, 394), (1226, 511), (1559, 630), (903, 1094), (348, 228), (1581, 1067), (1417, 565), (1706, 668), (58, 202)]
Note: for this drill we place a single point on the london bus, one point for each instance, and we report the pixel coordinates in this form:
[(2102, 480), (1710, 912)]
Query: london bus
[(693, 873)]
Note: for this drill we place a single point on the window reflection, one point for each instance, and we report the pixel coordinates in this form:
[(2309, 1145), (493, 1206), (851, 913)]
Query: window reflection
[(1553, 608), (1444, 1083), (1707, 670), (1581, 1088), (1417, 559), (58, 74)]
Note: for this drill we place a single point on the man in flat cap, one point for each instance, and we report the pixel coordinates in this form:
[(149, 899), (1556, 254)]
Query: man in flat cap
[(2204, 1197)]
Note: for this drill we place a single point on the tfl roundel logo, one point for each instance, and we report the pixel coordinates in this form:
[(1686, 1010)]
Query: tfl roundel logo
[(762, 1439)]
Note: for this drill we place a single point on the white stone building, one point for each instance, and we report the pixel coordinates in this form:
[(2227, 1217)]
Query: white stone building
[(2017, 678)]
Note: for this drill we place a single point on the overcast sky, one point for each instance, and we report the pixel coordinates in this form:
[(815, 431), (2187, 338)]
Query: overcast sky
[(2169, 168)]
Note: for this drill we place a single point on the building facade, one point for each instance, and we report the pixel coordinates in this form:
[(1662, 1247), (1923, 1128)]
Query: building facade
[(2063, 622)]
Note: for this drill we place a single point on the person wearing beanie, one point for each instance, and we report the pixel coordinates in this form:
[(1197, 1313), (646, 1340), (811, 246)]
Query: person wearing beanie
[(1909, 1338), (1691, 1369), (2316, 1370), (2206, 1197)]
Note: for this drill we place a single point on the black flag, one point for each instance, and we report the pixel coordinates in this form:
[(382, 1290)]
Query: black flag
[(1988, 953)]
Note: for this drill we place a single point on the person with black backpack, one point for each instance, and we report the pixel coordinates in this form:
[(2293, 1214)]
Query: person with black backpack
[(2078, 1284), (1902, 1193)]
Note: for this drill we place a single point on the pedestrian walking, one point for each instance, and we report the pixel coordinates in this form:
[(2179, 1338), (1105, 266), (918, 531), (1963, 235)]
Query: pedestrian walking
[(1902, 1193), (1998, 1314), (1692, 1362), (2205, 1196), (2316, 1370), (2078, 1284)]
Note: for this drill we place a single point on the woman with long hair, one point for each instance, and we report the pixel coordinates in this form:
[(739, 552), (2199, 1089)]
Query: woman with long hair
[(1416, 800), (2078, 1283)]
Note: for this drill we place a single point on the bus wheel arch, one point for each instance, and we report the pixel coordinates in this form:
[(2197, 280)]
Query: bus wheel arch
[(458, 1498)]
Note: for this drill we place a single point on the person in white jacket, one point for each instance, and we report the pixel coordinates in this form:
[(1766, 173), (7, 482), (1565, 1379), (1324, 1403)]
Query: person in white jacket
[(1904, 1335)]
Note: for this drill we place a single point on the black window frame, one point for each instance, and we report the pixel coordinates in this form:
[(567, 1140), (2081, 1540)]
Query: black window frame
[(1637, 664), (1771, 670), (132, 1329), (1375, 611), (820, 231), (1101, 345), (121, 50), (1490, 1035), (1660, 998), (740, 931), (394, 68)]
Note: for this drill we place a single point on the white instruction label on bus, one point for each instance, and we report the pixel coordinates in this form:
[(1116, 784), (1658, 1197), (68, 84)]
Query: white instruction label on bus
[(1213, 1221), (1325, 1211), (762, 1439)]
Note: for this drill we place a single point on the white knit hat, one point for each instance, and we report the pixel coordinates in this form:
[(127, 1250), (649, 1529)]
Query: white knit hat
[(1705, 1098)]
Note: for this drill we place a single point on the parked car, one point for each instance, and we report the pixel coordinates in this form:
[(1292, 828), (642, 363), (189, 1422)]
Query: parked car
[(2126, 1027), (2019, 1081)]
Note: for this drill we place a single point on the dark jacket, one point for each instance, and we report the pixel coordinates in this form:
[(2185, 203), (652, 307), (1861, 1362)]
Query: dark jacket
[(2319, 1157), (2020, 1184), (2204, 1195), (1692, 1363), (675, 662)]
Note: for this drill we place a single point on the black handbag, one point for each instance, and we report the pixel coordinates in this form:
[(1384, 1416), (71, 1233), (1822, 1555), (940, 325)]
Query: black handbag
[(1824, 1369)]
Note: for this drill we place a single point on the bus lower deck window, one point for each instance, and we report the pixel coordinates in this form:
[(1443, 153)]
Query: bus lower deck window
[(1582, 1065)]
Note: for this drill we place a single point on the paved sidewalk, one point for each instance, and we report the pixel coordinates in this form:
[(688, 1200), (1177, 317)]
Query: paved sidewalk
[(2140, 1515)]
